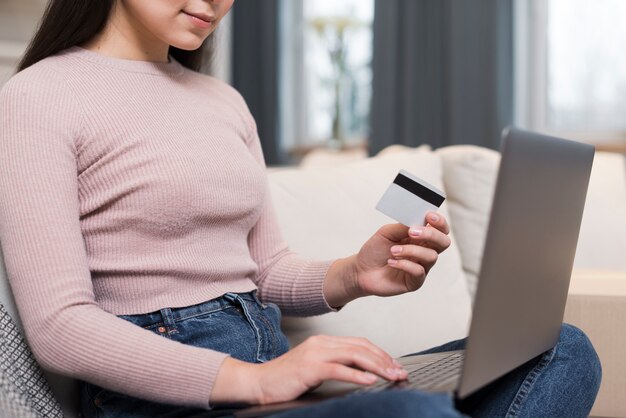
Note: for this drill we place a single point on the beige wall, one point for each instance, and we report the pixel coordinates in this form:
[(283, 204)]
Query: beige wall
[(18, 20)]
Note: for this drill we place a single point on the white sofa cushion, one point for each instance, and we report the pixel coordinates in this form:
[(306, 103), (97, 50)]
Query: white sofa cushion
[(329, 213), (330, 158), (469, 177)]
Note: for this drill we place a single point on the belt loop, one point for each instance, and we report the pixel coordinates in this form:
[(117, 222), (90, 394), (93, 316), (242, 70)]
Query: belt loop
[(168, 320), (229, 296)]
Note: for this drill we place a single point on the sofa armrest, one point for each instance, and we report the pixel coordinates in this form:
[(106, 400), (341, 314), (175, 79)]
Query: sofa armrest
[(597, 305)]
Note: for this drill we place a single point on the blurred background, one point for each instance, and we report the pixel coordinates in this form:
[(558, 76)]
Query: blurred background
[(363, 74)]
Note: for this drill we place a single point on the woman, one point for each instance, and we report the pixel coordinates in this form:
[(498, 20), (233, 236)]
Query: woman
[(137, 229)]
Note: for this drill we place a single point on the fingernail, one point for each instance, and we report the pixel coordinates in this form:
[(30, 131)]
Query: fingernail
[(396, 363), (434, 218), (415, 231), (392, 262), (396, 372), (396, 249), (369, 377)]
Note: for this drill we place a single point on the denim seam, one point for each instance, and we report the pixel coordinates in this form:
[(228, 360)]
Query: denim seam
[(256, 329), (161, 323), (273, 340), (222, 308), (256, 298), (528, 383)]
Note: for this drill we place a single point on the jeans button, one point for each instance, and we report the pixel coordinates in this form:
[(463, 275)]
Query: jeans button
[(97, 402), (161, 330)]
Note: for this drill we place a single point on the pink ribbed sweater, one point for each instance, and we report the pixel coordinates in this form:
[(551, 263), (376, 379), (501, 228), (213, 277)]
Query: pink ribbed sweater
[(129, 186)]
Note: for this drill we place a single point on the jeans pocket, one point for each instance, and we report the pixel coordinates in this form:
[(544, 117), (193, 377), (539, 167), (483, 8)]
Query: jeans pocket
[(162, 330), (97, 395), (273, 316), (276, 309)]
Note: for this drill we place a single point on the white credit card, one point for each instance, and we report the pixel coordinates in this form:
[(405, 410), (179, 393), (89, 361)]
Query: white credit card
[(409, 198)]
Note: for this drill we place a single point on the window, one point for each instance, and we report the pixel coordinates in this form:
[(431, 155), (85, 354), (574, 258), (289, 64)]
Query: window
[(325, 72), (571, 68)]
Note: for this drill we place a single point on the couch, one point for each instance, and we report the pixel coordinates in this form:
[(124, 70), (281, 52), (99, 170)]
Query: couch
[(326, 210)]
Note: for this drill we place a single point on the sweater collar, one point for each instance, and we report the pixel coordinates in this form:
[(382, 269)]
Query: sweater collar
[(172, 67)]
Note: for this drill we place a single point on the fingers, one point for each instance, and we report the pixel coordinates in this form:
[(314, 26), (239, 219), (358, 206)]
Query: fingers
[(438, 221), (362, 345), (434, 235), (416, 273), (414, 260), (366, 360), (393, 232), (348, 374), (413, 254), (354, 354), (317, 359), (364, 342), (430, 237)]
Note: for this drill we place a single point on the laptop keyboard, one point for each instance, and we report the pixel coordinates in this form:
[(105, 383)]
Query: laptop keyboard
[(427, 375)]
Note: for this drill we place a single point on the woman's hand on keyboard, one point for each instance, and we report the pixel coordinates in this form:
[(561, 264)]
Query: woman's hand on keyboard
[(305, 367)]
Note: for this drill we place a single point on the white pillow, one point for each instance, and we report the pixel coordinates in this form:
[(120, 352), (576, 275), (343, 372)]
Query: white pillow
[(329, 213), (469, 177)]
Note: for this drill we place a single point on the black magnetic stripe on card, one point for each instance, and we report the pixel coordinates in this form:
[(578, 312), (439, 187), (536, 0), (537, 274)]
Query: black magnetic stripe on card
[(419, 190)]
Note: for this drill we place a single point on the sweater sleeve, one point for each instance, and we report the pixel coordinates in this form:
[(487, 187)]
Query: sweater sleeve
[(46, 259), (294, 283)]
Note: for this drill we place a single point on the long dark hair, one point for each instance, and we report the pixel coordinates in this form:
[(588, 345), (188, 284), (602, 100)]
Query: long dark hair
[(66, 23)]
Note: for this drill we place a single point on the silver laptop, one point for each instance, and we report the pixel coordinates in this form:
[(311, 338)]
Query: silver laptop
[(524, 278)]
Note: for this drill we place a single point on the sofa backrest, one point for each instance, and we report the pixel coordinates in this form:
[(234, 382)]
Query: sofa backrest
[(329, 212), (469, 175)]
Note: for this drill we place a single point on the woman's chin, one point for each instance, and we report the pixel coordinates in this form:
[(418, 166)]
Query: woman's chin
[(190, 44)]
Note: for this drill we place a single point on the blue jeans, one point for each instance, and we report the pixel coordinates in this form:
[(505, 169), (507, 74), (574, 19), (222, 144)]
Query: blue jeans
[(562, 382)]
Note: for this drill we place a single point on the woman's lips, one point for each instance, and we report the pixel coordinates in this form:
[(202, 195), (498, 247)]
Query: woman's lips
[(200, 20)]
